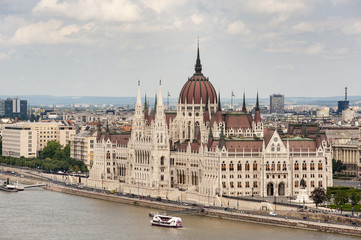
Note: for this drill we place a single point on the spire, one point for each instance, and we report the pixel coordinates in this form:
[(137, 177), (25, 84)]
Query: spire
[(257, 113), (219, 102), (139, 99), (160, 98), (107, 126), (257, 103), (155, 104), (244, 109), (145, 103), (222, 141), (198, 66), (210, 132)]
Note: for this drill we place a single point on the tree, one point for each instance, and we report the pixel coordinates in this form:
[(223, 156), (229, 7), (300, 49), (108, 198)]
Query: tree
[(50, 150), (341, 198), (355, 197), (337, 166), (318, 195), (328, 196)]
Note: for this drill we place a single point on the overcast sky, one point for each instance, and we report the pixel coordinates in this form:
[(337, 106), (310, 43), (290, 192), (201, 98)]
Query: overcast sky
[(300, 48)]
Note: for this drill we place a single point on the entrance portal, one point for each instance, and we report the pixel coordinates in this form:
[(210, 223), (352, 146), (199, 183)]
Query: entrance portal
[(270, 189), (281, 189)]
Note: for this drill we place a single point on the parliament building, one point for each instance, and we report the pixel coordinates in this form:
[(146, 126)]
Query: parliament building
[(201, 153)]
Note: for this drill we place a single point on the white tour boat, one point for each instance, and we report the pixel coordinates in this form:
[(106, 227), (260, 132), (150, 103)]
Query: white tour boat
[(166, 221)]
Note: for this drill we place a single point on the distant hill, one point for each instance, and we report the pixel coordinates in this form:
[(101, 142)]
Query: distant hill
[(38, 100)]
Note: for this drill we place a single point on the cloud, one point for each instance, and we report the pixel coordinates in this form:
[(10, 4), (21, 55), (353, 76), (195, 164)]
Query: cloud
[(237, 28), (277, 6), (304, 27), (50, 32), (163, 5), (352, 29), (197, 18), (315, 49), (85, 10)]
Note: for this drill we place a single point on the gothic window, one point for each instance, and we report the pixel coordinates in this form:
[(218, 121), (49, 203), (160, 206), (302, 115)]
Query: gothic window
[(304, 165), (231, 184), (312, 183), (312, 165), (224, 184), (196, 130), (254, 166), (108, 155), (231, 167), (279, 166), (162, 160), (319, 184), (284, 167), (296, 166), (296, 183), (255, 184), (239, 184), (162, 177), (246, 166), (247, 184), (273, 166), (223, 166), (239, 166), (267, 166), (320, 165)]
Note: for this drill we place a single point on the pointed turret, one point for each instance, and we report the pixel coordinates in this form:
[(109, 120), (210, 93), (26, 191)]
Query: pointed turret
[(219, 110), (160, 97), (206, 113), (210, 138), (107, 133), (198, 66), (139, 98), (257, 113), (244, 108), (222, 141), (145, 108), (99, 132)]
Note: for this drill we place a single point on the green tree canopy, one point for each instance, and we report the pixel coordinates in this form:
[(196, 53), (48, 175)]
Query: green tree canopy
[(337, 166), (50, 150), (341, 197), (318, 195), (355, 197)]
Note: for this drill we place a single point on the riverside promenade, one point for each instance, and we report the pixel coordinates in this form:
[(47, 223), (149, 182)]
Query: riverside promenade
[(232, 214)]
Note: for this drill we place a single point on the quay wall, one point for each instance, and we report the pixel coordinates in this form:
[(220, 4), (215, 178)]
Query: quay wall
[(246, 217)]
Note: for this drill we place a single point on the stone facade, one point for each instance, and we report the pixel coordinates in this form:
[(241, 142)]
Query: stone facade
[(200, 152)]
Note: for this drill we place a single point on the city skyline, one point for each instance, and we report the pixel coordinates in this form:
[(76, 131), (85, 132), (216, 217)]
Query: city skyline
[(91, 48)]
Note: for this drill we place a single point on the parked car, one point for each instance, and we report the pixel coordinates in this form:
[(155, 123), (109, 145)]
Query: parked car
[(273, 213)]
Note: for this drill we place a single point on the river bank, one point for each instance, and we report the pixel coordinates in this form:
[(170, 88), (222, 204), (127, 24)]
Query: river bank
[(26, 178)]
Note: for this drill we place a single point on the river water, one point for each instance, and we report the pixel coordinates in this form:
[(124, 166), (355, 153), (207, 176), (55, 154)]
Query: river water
[(41, 214)]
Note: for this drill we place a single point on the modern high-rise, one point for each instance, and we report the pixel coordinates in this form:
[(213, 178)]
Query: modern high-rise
[(2, 108), (343, 105), (14, 107), (277, 103)]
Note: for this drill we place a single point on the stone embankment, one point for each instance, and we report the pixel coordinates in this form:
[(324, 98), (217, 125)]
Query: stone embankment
[(246, 217)]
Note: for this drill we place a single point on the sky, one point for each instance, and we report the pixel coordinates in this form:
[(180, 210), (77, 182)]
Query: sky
[(299, 48)]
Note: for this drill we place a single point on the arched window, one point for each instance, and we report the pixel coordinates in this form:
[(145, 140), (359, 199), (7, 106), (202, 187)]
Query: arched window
[(162, 160), (239, 166), (284, 167), (320, 165), (108, 155), (296, 166), (312, 165), (254, 166), (267, 166), (296, 183), (231, 167), (273, 166), (247, 166), (223, 166), (279, 166), (304, 165)]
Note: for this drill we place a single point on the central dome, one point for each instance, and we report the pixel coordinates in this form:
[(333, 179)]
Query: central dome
[(198, 89)]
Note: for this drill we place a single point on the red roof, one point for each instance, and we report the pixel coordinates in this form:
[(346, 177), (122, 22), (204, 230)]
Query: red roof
[(196, 88)]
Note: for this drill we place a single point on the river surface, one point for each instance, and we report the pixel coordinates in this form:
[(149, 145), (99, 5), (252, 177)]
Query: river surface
[(41, 214)]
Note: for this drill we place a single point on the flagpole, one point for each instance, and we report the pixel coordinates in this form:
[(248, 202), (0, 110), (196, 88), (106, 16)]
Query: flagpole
[(232, 100), (168, 101)]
